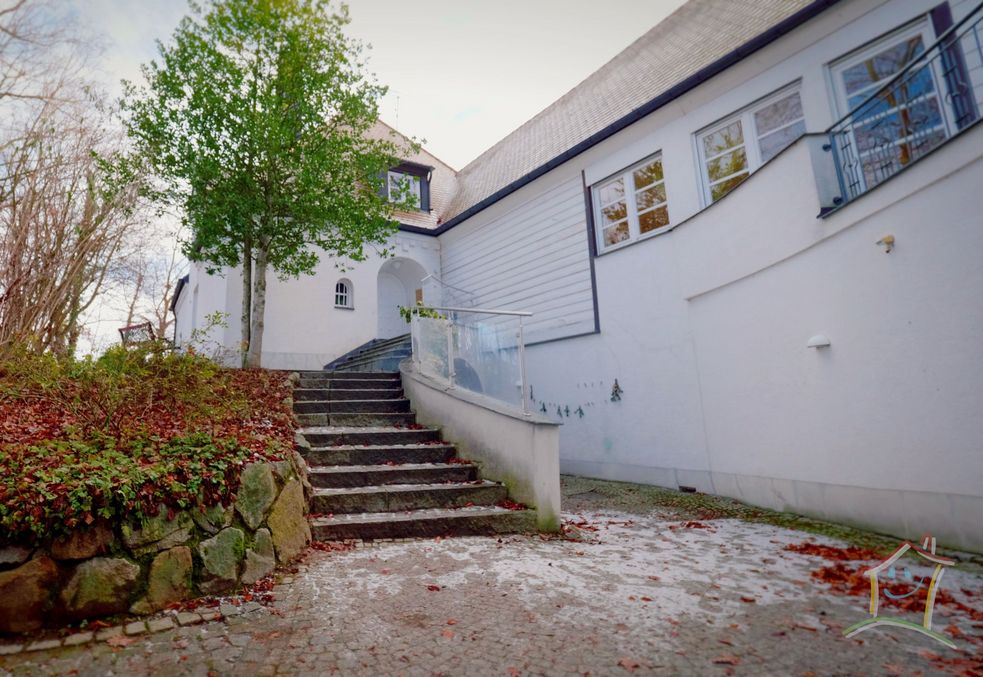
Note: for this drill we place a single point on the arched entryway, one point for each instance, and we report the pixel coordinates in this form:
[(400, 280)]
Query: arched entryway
[(400, 283)]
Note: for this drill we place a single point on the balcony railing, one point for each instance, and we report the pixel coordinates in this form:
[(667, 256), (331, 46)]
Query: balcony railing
[(938, 94), (475, 349)]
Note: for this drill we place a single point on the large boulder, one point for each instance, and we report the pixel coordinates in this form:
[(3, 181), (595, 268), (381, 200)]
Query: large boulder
[(288, 525), (256, 493), (25, 595), (169, 580), (220, 558), (99, 587), (260, 559), (84, 543), (158, 533), (213, 519), (301, 466), (14, 555)]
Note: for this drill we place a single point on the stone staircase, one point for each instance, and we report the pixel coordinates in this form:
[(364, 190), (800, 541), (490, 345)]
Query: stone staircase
[(376, 474), (378, 355)]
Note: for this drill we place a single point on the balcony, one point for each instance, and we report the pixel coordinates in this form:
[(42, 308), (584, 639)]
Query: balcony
[(935, 97)]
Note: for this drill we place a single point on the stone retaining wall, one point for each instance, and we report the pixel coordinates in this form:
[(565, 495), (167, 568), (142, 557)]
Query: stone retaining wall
[(135, 568)]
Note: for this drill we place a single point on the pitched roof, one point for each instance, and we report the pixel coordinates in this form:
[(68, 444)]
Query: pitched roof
[(443, 182), (696, 36)]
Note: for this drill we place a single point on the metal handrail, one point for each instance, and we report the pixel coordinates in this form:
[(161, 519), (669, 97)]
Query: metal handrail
[(869, 147), (485, 311), (904, 71)]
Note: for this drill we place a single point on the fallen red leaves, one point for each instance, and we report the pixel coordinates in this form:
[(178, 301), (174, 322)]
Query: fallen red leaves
[(332, 546), (119, 641), (127, 434), (833, 553), (846, 580), (512, 505), (692, 524)]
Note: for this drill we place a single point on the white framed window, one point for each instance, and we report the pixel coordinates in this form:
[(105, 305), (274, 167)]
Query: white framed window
[(732, 149), (631, 204), (904, 120), (404, 187), (343, 294)]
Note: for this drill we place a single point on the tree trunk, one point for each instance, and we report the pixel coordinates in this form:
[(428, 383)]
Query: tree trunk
[(247, 304), (259, 308), (137, 288)]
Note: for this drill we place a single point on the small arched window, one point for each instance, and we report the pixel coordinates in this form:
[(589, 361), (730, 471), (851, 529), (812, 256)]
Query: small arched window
[(343, 294)]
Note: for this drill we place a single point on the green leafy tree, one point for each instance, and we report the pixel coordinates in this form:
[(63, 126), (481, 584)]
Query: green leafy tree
[(256, 119)]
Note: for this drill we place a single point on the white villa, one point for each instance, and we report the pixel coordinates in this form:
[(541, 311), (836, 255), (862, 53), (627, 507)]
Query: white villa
[(752, 247)]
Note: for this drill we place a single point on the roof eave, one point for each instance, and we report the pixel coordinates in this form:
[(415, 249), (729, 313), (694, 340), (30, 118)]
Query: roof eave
[(759, 42)]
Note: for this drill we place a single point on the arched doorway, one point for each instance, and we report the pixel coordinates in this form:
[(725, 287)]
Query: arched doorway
[(400, 283)]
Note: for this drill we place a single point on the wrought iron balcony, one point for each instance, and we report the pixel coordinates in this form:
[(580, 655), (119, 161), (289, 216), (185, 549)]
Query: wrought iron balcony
[(935, 96)]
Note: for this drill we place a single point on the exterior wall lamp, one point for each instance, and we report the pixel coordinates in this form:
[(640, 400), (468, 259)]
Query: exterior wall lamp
[(818, 341)]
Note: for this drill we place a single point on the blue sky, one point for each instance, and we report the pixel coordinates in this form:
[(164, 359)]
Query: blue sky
[(462, 73)]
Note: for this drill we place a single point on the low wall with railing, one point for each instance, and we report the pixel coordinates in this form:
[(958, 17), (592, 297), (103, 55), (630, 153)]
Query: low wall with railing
[(521, 451)]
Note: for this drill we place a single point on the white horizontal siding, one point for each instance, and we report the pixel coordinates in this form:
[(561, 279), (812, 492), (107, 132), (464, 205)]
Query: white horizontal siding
[(534, 258)]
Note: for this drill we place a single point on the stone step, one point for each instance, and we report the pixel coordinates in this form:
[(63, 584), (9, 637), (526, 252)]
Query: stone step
[(347, 455), (379, 475), (476, 520), (308, 394), (333, 436), (389, 362), (397, 497), (365, 383), (357, 418), (374, 345), (322, 374), (329, 377), (350, 406)]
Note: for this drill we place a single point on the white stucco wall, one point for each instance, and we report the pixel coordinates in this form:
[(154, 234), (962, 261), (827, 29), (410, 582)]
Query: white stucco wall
[(304, 329), (720, 391), (705, 326)]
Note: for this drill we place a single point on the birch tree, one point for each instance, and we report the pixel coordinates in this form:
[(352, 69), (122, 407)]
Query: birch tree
[(255, 118)]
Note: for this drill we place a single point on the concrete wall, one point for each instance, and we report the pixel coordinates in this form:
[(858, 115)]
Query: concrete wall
[(304, 329), (704, 326), (720, 390), (520, 451)]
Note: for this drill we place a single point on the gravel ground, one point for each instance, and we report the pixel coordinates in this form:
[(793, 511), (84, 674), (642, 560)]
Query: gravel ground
[(640, 585)]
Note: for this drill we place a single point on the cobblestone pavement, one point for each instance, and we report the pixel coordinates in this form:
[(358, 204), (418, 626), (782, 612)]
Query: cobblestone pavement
[(642, 594)]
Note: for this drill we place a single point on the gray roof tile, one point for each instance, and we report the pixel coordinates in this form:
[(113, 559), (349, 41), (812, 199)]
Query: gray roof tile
[(693, 37)]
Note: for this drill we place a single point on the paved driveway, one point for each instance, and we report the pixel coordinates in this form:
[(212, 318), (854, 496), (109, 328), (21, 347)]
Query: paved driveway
[(643, 592)]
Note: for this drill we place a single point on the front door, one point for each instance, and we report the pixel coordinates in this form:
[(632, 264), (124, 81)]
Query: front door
[(392, 294)]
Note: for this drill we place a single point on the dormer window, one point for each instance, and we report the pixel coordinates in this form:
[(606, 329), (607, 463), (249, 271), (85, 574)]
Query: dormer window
[(409, 184), (404, 188)]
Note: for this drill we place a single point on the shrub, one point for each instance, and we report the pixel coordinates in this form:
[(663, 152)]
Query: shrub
[(51, 488), (124, 433)]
